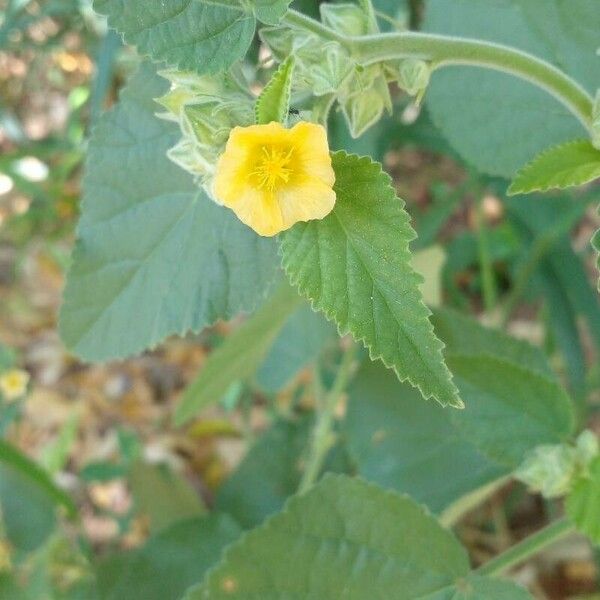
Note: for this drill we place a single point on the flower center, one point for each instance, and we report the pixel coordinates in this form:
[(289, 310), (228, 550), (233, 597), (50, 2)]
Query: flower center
[(273, 167)]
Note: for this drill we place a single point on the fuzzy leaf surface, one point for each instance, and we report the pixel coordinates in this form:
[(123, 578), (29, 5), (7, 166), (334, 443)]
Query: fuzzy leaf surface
[(583, 503), (521, 408), (496, 121), (187, 34), (274, 101), (346, 538), (568, 165), (355, 266), (155, 256)]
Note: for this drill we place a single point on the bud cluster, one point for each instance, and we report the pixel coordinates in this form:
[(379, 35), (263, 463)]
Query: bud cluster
[(326, 68), (206, 108), (552, 470)]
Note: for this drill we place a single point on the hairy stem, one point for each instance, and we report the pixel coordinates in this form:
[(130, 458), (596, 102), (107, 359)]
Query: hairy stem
[(526, 548), (446, 50), (297, 20), (323, 436), (443, 50)]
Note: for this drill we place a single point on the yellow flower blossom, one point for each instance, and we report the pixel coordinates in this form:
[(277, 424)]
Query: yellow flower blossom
[(13, 383), (273, 177)]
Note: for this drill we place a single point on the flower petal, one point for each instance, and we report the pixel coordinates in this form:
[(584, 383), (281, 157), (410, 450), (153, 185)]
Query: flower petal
[(312, 148), (310, 198), (298, 181), (260, 211)]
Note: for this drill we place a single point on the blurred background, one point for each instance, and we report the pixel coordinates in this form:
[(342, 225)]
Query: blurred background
[(103, 433)]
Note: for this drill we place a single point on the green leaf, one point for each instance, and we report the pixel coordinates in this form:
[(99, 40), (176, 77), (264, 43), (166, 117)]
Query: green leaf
[(495, 121), (28, 513), (475, 587), (521, 409), (154, 255), (270, 12), (11, 457), (348, 539), (268, 475), (271, 472), (188, 34), (560, 278), (347, 19), (28, 500), (240, 354), (344, 538), (162, 495), (568, 165), (583, 503), (102, 471), (465, 335), (169, 562), (438, 456), (355, 266), (274, 101), (299, 343), (411, 446), (429, 263)]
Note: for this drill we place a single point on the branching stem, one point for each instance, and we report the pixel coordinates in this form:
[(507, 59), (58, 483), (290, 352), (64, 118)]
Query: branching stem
[(441, 50)]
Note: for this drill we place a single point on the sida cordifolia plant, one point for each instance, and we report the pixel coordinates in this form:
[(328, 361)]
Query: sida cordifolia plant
[(213, 190)]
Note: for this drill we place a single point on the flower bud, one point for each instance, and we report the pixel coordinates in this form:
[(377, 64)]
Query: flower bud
[(549, 470), (413, 76)]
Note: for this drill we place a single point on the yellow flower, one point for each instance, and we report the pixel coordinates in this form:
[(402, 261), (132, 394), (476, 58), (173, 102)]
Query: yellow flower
[(273, 177), (13, 383)]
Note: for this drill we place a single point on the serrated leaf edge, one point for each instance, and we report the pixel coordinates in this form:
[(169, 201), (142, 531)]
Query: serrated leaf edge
[(122, 94), (125, 38), (285, 70), (271, 522), (514, 190), (342, 331), (528, 373)]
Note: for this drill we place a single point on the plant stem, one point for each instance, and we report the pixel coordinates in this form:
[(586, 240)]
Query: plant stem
[(528, 547), (485, 259), (447, 50), (442, 50), (459, 508), (295, 19), (323, 437)]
